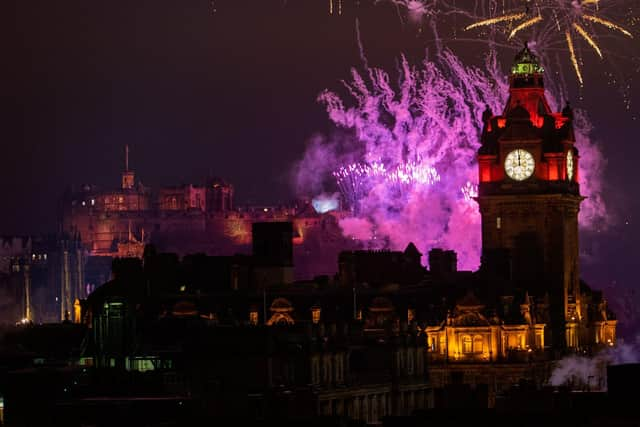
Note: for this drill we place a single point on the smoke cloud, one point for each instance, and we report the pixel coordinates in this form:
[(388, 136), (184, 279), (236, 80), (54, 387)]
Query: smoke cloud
[(428, 122), (580, 371)]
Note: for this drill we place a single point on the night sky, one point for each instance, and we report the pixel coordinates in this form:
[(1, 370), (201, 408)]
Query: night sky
[(232, 94)]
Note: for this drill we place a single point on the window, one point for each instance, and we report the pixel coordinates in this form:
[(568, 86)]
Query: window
[(339, 366), (539, 340), (498, 223), (315, 314), (315, 370), (466, 344), (477, 344), (326, 369), (253, 317), (515, 341)]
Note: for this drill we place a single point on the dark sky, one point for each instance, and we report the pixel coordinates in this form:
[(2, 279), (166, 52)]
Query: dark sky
[(230, 93)]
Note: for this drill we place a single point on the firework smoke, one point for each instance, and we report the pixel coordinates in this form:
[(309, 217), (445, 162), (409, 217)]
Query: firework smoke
[(324, 203), (591, 371), (430, 122), (415, 9)]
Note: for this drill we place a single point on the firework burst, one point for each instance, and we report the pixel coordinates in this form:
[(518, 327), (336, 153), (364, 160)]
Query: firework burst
[(556, 21), (415, 9), (356, 180), (409, 164), (469, 191)]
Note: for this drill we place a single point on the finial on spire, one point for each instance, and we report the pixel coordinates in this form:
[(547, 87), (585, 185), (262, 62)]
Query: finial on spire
[(567, 111), (128, 177), (487, 114)]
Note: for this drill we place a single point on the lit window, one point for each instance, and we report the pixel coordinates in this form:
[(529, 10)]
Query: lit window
[(498, 223), (84, 203), (93, 202), (253, 317), (477, 344), (467, 344), (315, 314)]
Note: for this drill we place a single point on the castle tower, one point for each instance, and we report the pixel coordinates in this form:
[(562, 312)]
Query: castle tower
[(529, 198), (128, 176)]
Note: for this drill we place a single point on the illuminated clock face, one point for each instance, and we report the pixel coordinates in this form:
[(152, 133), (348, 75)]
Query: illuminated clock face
[(519, 164), (570, 165)]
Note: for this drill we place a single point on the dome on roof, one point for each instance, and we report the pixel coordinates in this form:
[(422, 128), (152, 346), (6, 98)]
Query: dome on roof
[(381, 304), (185, 308), (469, 301), (281, 305)]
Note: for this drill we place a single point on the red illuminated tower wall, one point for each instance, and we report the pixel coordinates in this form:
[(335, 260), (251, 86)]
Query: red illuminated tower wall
[(530, 213)]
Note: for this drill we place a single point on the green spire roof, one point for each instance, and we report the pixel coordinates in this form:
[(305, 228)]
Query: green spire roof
[(526, 62)]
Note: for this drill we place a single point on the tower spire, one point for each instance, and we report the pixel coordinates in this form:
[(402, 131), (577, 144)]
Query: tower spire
[(128, 176)]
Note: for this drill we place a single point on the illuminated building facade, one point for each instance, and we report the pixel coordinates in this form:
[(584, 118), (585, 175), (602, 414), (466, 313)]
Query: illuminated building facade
[(529, 199), (526, 306), (194, 219), (42, 277), (508, 321), (385, 335)]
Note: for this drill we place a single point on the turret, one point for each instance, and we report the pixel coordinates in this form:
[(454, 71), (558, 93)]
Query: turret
[(536, 143), (128, 176), (529, 196)]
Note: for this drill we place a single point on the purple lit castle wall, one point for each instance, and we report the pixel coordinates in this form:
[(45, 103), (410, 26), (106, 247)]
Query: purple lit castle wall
[(196, 218)]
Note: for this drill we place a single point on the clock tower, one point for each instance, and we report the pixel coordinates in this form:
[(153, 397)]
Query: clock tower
[(529, 199)]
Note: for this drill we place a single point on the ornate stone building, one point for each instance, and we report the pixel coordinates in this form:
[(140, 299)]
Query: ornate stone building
[(529, 198), (385, 335), (193, 218)]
